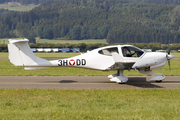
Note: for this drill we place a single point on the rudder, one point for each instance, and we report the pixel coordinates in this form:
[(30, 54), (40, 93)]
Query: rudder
[(20, 54)]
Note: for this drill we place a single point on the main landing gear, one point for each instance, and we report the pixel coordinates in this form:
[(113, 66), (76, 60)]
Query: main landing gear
[(118, 77)]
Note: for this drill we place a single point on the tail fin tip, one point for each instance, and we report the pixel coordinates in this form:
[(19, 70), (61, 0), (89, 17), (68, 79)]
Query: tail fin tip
[(18, 41)]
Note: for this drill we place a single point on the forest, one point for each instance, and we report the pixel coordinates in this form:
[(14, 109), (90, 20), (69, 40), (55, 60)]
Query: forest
[(25, 2), (115, 20), (4, 12), (166, 2)]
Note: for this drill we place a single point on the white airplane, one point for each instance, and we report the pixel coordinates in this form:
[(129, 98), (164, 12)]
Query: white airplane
[(116, 57)]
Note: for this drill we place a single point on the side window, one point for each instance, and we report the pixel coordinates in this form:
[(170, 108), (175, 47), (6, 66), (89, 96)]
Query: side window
[(108, 51), (131, 52)]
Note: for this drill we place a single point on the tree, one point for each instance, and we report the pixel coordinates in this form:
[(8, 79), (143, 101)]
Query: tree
[(84, 33), (32, 38), (47, 33), (40, 32), (103, 31), (75, 33), (93, 33), (63, 32)]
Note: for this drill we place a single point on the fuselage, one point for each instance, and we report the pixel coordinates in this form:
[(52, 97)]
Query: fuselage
[(103, 61)]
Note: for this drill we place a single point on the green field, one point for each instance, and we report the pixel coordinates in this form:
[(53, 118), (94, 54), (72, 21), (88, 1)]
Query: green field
[(49, 104), (5, 54), (54, 104), (8, 69), (16, 7), (176, 54), (89, 41), (6, 40), (133, 104)]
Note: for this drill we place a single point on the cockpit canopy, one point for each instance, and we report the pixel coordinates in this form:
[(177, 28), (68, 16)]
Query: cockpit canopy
[(108, 51), (127, 51), (131, 51)]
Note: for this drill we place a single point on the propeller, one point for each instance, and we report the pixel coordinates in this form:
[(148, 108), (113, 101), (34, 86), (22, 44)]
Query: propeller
[(168, 51), (169, 56), (169, 66)]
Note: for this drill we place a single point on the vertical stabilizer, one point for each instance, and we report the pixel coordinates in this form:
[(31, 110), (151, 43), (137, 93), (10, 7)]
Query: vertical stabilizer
[(20, 54)]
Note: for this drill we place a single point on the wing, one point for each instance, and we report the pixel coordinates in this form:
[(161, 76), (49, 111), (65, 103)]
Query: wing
[(120, 62)]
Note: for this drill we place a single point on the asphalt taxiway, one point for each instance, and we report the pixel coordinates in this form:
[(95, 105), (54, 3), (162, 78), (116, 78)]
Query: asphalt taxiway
[(84, 82)]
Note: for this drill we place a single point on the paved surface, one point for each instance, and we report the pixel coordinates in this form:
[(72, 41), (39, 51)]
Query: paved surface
[(83, 82), (176, 58)]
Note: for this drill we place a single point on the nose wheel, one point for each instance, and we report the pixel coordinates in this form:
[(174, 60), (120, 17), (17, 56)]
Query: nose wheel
[(158, 77)]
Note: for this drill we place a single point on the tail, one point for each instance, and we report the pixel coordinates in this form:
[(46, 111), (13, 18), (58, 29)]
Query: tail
[(20, 54)]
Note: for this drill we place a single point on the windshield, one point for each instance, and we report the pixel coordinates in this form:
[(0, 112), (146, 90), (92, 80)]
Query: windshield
[(130, 51)]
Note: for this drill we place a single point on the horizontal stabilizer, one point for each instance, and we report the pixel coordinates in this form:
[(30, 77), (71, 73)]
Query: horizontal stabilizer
[(34, 68)]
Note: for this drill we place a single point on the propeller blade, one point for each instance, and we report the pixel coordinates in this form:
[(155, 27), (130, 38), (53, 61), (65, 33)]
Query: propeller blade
[(168, 50), (169, 65), (169, 56)]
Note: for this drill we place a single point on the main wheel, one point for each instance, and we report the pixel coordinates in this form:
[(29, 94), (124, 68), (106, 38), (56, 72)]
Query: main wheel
[(121, 82), (158, 81)]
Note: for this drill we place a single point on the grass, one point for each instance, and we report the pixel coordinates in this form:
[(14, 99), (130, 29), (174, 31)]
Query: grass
[(6, 40), (16, 7), (5, 54), (176, 54), (61, 41), (89, 104), (8, 69), (55, 104), (89, 41)]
